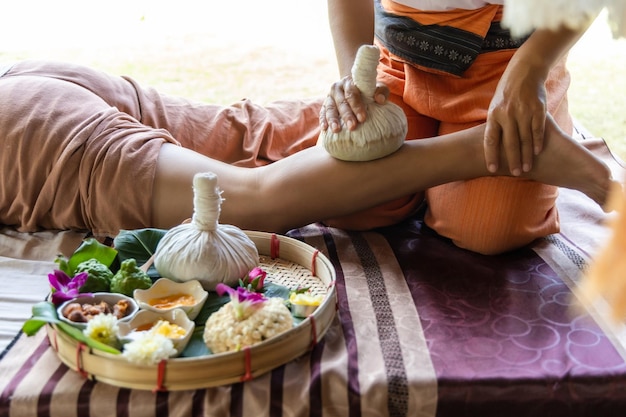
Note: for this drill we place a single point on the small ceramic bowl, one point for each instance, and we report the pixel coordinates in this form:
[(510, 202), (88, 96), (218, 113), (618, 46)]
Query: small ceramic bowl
[(165, 295), (303, 305), (144, 320), (111, 299)]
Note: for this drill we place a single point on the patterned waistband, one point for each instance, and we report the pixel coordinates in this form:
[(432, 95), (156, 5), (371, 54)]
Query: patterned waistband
[(442, 48)]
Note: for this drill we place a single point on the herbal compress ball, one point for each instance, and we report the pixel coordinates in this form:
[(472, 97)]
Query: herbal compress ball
[(385, 128), (205, 250)]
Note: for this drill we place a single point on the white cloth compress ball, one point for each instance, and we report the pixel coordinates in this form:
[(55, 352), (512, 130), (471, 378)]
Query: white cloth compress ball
[(203, 249), (385, 128)]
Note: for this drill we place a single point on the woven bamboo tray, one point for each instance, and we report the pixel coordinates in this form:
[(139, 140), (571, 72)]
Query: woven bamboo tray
[(288, 262)]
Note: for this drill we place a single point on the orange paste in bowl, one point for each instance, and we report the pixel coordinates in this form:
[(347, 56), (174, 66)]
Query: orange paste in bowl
[(171, 301)]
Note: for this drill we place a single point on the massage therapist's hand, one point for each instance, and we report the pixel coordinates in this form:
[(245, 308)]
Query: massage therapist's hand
[(516, 119), (517, 114), (345, 104)]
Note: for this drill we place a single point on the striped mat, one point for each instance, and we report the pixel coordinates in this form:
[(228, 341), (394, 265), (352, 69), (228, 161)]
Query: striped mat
[(422, 329)]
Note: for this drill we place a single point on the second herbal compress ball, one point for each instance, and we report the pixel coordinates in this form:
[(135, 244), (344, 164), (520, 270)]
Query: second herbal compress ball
[(203, 249)]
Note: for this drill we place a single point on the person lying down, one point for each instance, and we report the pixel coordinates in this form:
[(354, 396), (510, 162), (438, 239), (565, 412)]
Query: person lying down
[(84, 150)]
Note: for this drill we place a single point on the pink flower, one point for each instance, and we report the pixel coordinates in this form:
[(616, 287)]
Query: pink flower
[(244, 302), (254, 281), (64, 287)]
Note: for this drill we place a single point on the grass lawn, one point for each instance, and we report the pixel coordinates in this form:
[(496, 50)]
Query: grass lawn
[(598, 91), (220, 52)]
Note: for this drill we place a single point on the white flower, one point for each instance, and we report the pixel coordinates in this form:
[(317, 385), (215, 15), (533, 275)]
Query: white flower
[(103, 328), (225, 332), (149, 349)]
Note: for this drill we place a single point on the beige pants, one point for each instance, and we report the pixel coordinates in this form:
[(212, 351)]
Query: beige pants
[(79, 147)]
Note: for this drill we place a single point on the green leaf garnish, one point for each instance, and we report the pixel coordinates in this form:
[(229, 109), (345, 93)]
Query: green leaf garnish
[(45, 312), (196, 346), (139, 244), (80, 336), (88, 249), (276, 290)]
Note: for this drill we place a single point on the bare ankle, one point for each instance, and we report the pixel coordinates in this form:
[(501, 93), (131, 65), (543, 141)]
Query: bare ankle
[(566, 163)]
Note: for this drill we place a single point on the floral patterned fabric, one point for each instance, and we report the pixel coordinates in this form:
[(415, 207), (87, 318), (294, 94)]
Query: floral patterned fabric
[(423, 328)]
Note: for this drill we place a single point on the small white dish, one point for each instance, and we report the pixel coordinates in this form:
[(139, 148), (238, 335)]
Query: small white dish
[(162, 295), (144, 320), (110, 298), (303, 304), (302, 311)]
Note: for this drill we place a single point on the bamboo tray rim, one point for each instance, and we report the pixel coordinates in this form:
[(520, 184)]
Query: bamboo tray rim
[(222, 368)]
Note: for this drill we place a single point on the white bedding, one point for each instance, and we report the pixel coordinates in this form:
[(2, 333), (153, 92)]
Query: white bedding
[(25, 261)]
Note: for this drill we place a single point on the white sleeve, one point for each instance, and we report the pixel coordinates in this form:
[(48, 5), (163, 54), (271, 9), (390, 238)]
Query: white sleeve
[(617, 18), (522, 16)]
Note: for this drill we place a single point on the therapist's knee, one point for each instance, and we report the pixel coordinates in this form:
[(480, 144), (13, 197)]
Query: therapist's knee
[(492, 216)]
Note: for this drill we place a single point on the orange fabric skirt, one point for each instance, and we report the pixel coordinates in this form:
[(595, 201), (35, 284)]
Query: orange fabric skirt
[(487, 215)]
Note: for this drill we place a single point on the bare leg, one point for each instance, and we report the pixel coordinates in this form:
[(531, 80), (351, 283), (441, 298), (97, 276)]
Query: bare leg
[(566, 163), (311, 185)]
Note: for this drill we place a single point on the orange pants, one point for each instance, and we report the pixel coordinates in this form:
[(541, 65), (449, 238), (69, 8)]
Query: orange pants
[(486, 215)]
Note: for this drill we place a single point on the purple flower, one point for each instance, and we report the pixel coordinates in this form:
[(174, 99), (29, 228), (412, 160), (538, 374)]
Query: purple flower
[(244, 302), (64, 287)]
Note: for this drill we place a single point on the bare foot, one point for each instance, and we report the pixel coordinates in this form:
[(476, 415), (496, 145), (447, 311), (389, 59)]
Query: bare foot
[(566, 163)]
